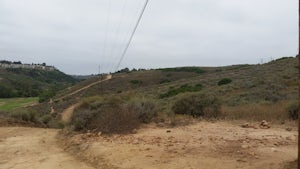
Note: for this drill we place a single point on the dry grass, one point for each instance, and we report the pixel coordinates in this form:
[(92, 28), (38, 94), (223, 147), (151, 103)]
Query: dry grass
[(258, 112)]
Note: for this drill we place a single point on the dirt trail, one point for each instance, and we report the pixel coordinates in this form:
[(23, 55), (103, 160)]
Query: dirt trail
[(108, 77), (204, 145), (34, 148), (67, 113)]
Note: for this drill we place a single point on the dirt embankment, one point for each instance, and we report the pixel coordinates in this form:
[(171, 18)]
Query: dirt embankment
[(204, 145)]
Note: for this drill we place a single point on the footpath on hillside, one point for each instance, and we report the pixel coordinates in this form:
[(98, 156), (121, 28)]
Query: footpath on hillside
[(108, 77), (68, 112)]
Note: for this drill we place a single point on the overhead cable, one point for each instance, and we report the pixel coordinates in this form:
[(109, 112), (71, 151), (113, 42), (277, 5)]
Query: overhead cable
[(132, 34)]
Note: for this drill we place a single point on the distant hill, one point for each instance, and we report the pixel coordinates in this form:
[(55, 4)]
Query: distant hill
[(32, 82)]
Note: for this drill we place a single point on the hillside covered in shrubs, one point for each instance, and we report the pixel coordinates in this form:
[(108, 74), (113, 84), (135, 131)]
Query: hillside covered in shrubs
[(22, 82), (132, 98)]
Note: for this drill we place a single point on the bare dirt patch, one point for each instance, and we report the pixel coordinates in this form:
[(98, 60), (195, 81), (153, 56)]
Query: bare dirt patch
[(34, 148), (202, 145)]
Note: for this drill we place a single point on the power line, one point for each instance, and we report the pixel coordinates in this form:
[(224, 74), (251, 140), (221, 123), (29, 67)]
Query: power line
[(132, 34), (126, 35), (113, 54), (112, 51)]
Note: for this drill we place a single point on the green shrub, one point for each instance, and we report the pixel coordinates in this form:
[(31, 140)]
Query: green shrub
[(7, 92), (46, 95), (182, 89), (46, 119), (198, 105), (224, 81)]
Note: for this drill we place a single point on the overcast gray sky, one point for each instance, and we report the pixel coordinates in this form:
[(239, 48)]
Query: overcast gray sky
[(78, 35)]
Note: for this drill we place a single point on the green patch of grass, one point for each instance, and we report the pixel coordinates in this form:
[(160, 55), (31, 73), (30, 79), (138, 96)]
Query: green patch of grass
[(14, 103)]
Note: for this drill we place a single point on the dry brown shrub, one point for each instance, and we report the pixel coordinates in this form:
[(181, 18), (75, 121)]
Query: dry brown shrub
[(113, 115), (115, 120)]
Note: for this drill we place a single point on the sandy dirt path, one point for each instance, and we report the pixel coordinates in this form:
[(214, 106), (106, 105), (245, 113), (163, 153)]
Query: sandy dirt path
[(67, 113), (204, 145), (34, 148)]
